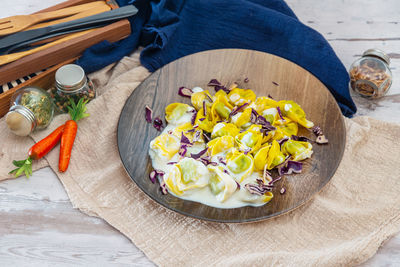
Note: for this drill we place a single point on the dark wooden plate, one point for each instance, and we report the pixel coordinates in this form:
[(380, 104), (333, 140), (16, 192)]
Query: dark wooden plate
[(267, 74)]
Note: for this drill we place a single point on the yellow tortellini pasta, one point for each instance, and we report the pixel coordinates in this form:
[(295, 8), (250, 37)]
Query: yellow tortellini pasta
[(241, 118), (240, 96), (221, 184), (293, 111), (198, 98), (275, 156), (223, 143), (204, 122), (178, 113), (224, 128), (240, 164), (297, 149), (167, 144), (250, 140), (263, 103), (185, 175)]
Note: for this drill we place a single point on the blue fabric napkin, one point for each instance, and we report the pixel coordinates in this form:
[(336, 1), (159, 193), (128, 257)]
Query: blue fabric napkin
[(170, 29)]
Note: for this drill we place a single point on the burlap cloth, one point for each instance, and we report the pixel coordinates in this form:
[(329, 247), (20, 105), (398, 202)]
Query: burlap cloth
[(342, 225)]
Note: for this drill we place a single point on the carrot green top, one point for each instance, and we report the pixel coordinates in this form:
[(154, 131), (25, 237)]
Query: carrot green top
[(77, 111)]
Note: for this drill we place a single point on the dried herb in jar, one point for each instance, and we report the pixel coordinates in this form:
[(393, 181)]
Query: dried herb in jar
[(370, 75), (71, 83)]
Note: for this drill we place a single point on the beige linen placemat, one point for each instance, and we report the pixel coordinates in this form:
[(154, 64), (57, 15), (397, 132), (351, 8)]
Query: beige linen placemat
[(342, 225)]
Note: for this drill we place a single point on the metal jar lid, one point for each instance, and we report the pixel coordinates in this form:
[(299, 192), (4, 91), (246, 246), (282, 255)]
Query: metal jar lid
[(70, 78), (377, 53), (21, 120)]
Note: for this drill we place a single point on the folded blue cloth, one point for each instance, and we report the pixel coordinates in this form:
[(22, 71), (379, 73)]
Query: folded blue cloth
[(170, 29)]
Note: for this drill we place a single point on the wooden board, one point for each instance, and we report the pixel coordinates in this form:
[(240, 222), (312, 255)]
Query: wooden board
[(57, 54), (267, 74)]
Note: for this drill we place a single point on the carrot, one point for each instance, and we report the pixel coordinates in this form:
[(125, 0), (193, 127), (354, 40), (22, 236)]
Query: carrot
[(41, 148), (37, 151), (77, 112), (67, 141)]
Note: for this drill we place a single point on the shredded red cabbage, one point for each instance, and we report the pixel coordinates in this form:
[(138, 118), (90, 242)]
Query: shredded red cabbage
[(291, 167), (204, 108), (196, 136), (237, 109), (158, 124), (259, 189), (218, 86), (254, 116), (246, 80), (270, 96), (153, 176), (266, 125), (214, 82), (209, 98), (246, 150), (149, 114), (193, 119), (185, 140), (182, 150), (163, 188), (267, 175), (207, 137), (222, 160), (280, 113), (185, 92), (172, 162), (275, 83), (198, 155), (282, 191), (301, 138), (317, 130), (283, 140), (275, 180)]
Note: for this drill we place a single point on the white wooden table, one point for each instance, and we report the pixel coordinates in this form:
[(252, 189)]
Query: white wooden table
[(38, 225)]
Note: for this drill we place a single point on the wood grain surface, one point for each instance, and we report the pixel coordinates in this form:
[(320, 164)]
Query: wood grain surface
[(351, 26), (268, 75)]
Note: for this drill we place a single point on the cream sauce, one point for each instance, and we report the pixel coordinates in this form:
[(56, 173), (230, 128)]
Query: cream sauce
[(241, 197)]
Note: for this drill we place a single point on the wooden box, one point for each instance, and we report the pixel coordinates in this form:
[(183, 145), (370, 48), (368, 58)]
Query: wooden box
[(56, 56)]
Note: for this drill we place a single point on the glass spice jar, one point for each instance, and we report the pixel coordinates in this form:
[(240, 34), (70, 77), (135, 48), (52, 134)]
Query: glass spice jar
[(31, 108), (370, 75), (71, 82)]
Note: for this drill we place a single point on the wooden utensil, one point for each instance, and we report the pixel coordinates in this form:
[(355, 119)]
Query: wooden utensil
[(93, 11), (18, 23), (267, 74), (4, 59), (59, 39), (22, 39)]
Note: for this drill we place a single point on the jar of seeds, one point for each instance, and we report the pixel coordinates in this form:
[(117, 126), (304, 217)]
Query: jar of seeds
[(370, 75), (31, 108), (71, 82)]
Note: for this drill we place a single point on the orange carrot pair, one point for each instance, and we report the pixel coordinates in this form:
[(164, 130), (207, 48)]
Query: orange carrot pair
[(66, 133)]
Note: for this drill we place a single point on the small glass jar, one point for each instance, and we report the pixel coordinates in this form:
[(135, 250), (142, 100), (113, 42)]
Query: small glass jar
[(370, 75), (71, 82), (31, 108)]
